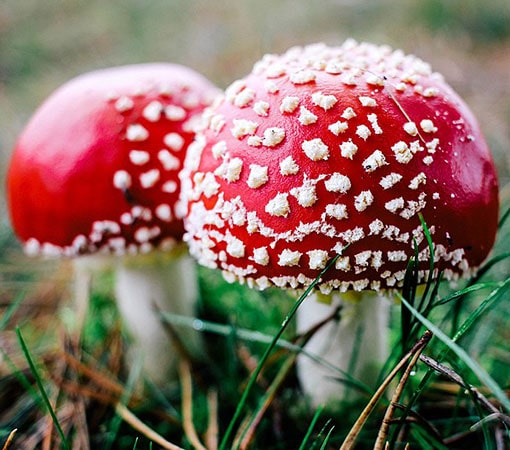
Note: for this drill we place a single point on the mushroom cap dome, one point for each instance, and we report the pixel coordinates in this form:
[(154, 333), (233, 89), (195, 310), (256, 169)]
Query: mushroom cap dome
[(326, 151), (96, 168)]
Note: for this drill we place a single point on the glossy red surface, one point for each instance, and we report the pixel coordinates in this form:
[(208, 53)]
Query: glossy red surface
[(61, 177), (445, 172)]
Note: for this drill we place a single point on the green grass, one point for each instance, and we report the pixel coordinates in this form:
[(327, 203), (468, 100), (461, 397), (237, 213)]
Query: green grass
[(449, 394)]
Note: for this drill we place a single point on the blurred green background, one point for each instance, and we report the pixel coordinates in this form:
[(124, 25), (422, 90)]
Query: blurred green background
[(45, 43)]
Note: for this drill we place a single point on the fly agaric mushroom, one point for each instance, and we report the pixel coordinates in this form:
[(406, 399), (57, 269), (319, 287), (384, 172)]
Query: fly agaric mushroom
[(95, 172), (334, 151)]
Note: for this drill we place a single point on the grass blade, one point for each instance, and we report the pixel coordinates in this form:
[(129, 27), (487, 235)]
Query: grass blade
[(40, 386), (11, 310), (481, 374), (265, 356), (309, 432)]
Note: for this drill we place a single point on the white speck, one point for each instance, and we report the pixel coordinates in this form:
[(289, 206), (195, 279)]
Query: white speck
[(372, 118), (421, 178), (395, 204), (338, 127), (139, 157), (338, 183), (374, 161), (367, 101), (126, 219), (275, 71), (258, 176), (289, 104), (348, 113), (168, 161), (348, 149), (432, 145), (150, 178), (261, 108), (306, 117), (362, 258), (261, 256), (411, 128), (430, 92), (360, 285), (244, 98), (233, 89), (391, 232), (152, 112), (374, 80), (315, 149), (136, 133), (377, 260), (305, 195), (273, 136), (174, 141), (254, 141), (402, 152), (416, 146), (428, 126), (243, 127), (288, 166), (302, 76), (363, 132), (207, 184), (235, 248), (334, 67), (436, 196), (363, 200), (376, 227), (343, 264), (219, 149), (175, 113), (289, 258), (324, 101), (397, 255), (124, 104), (271, 87), (32, 247), (216, 122), (169, 187), (231, 170), (338, 211), (349, 79), (163, 212), (428, 160), (122, 180), (142, 234), (390, 180), (278, 206), (317, 259)]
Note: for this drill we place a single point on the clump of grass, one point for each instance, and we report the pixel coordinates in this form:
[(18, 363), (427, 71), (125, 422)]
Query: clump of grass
[(434, 393)]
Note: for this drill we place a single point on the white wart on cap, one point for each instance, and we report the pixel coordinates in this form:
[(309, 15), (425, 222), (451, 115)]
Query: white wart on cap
[(335, 150), (96, 168)]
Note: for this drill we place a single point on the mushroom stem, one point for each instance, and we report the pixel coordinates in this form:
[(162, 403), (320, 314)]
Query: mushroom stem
[(355, 343), (144, 287)]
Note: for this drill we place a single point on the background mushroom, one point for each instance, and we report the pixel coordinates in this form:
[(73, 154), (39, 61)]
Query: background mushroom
[(327, 151), (94, 173)]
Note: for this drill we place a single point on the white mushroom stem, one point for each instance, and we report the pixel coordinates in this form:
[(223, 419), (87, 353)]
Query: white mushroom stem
[(84, 267), (145, 286), (355, 343)]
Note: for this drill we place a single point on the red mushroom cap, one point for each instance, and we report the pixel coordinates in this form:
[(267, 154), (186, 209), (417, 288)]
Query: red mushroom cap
[(325, 151), (96, 168)]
